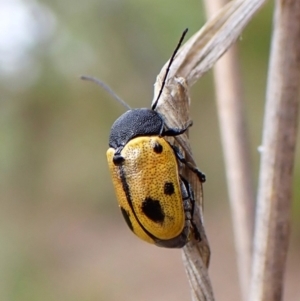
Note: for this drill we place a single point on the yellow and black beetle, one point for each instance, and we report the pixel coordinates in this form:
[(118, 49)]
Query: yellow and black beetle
[(156, 201)]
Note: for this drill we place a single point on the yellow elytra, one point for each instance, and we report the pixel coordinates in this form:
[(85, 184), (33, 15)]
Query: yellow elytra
[(148, 189)]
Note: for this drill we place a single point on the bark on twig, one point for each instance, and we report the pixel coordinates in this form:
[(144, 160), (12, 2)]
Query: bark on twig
[(232, 122), (278, 152)]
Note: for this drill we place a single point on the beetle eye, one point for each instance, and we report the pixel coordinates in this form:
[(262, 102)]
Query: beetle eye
[(118, 159)]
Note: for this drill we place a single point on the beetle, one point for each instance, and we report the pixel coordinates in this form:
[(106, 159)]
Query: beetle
[(156, 201)]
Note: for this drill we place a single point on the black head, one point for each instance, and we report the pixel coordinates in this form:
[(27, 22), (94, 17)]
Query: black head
[(134, 123)]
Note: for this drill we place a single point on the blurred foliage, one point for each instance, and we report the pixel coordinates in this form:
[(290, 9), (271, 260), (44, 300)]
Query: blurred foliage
[(56, 192)]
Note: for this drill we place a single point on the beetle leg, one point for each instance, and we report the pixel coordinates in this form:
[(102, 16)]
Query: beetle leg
[(189, 205), (176, 131), (193, 168)]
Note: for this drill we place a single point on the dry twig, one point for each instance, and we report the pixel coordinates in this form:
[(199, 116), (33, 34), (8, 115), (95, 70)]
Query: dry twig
[(278, 154), (195, 58), (232, 121)]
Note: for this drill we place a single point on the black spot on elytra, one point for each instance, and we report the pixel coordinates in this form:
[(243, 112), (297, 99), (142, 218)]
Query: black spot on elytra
[(168, 188), (158, 148), (152, 209), (126, 217)]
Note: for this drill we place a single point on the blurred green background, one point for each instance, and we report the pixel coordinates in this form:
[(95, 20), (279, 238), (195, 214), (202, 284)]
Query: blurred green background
[(61, 234)]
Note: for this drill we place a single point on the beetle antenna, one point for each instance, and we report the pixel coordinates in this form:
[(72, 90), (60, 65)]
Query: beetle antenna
[(106, 88), (168, 68)]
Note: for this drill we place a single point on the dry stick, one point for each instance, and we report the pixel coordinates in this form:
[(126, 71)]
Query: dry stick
[(232, 121), (195, 58), (278, 154)]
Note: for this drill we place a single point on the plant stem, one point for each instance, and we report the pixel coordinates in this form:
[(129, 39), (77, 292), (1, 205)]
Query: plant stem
[(278, 153), (232, 121)]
